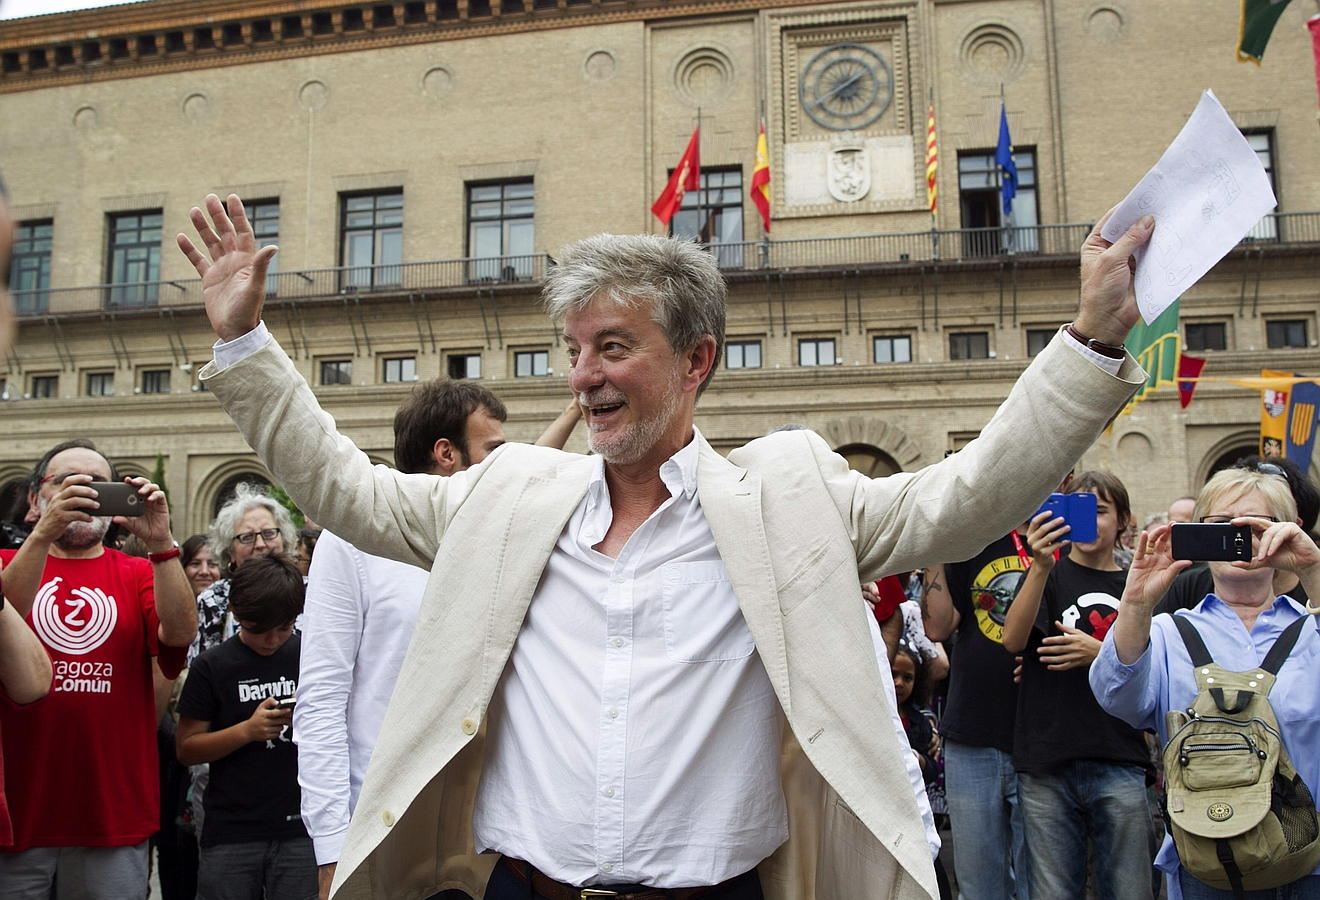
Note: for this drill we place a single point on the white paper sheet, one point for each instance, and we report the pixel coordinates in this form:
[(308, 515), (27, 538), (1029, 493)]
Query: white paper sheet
[(1206, 193)]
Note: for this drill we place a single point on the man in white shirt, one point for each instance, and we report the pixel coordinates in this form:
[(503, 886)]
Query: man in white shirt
[(359, 617), (645, 673)]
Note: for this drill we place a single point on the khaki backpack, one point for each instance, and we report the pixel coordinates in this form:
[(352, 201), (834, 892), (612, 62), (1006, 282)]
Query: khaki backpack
[(1240, 815)]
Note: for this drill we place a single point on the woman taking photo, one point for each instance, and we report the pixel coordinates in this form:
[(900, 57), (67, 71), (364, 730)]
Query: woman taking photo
[(1144, 668)]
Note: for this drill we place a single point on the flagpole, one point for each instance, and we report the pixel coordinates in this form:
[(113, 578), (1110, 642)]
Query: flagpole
[(701, 210)]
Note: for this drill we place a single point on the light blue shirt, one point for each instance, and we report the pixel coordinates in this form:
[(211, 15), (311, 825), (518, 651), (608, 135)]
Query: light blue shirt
[(1161, 679)]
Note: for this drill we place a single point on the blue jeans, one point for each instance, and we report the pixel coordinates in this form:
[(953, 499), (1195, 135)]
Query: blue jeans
[(251, 870), (989, 857), (1104, 802), (1307, 888)]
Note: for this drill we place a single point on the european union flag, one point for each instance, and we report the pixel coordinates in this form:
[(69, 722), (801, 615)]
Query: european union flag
[(1008, 176)]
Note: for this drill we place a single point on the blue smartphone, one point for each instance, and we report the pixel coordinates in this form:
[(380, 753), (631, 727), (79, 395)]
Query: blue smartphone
[(1077, 510)]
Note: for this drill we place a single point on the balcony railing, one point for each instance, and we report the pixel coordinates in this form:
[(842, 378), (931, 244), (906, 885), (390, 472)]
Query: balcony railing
[(959, 245)]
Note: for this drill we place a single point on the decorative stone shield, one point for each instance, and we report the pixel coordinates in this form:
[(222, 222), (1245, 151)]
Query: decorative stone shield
[(849, 177)]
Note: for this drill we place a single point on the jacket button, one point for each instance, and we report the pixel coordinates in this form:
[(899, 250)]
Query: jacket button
[(388, 818), (468, 726)]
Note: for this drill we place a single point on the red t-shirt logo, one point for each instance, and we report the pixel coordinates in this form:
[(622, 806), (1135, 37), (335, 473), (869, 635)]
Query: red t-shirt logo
[(76, 623)]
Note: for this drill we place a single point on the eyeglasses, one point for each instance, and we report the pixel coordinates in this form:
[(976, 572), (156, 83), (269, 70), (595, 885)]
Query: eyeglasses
[(1224, 520), (59, 479), (250, 537)]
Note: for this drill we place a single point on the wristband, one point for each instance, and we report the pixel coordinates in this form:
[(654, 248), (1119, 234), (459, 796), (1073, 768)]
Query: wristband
[(1109, 350), (166, 555)]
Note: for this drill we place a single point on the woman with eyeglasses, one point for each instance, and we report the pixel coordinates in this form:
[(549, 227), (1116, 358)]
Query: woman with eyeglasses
[(1192, 585), (253, 523), (1144, 669)]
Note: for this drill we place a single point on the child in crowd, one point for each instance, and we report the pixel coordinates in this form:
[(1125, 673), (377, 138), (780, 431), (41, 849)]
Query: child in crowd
[(1082, 772), (253, 843), (912, 685)]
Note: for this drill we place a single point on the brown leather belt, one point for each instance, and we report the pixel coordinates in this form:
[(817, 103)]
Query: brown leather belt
[(545, 886)]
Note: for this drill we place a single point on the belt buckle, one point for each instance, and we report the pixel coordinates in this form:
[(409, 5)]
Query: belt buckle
[(589, 893)]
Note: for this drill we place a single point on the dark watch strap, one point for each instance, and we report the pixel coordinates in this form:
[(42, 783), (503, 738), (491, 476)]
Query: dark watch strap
[(1109, 350)]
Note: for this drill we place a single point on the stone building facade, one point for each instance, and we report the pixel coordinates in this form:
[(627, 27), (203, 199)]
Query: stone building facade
[(419, 163)]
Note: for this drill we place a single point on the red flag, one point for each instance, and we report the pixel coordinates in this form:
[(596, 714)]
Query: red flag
[(760, 189), (686, 177), (1313, 23), (1188, 367)]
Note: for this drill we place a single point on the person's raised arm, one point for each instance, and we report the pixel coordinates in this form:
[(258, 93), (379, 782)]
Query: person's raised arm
[(938, 613), (557, 432), (175, 605), (1108, 306), (25, 671), (1153, 570), (1044, 536), (234, 278), (73, 503)]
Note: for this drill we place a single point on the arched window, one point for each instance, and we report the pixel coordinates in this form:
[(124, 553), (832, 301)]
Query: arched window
[(226, 492), (870, 461)]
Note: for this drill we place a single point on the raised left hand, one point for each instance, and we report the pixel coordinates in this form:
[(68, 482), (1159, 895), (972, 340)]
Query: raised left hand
[(1279, 545), (153, 526)]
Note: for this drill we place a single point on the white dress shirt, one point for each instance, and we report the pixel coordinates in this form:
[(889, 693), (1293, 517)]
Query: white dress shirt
[(358, 621)]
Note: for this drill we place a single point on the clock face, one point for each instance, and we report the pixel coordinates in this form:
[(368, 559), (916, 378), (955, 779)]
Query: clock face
[(846, 87)]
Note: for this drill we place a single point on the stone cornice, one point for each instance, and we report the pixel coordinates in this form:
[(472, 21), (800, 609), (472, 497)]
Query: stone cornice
[(138, 39)]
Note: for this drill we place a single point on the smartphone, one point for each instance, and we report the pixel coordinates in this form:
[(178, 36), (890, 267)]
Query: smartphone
[(1077, 510), (1211, 541), (285, 703), (117, 498)]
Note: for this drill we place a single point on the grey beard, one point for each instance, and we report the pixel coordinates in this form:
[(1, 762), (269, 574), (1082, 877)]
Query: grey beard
[(81, 535)]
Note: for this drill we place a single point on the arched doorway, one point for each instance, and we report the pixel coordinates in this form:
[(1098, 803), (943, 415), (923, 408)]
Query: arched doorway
[(870, 461)]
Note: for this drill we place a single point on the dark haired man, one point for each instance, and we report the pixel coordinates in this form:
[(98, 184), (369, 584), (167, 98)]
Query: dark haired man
[(253, 844), (85, 757), (632, 671), (361, 609)]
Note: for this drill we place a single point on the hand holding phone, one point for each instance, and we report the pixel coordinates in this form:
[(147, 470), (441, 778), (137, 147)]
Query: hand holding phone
[(285, 703), (117, 498), (1077, 511)]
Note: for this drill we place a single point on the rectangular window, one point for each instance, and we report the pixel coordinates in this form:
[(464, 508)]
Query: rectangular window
[(1039, 338), (501, 231), (816, 352), (742, 355), (529, 363), (44, 387), (979, 198), (100, 384), (464, 365), (1267, 229), (336, 371), (713, 215), (400, 368), (265, 218), (1205, 336), (1285, 333), (155, 381), (133, 263), (372, 252), (969, 345), (29, 272), (891, 348)]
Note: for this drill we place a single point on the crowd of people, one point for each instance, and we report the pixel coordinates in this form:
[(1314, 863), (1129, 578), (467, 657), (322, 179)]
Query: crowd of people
[(507, 671)]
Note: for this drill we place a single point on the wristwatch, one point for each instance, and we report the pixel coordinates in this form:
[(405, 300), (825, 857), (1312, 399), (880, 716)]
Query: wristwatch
[(1109, 350)]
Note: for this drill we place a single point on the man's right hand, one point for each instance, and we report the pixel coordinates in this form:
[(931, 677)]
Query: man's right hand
[(325, 876), (75, 502), (234, 279), (266, 721)]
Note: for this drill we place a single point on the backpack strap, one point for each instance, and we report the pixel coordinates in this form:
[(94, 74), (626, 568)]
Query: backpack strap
[(1283, 646), (1196, 648), (1225, 854)]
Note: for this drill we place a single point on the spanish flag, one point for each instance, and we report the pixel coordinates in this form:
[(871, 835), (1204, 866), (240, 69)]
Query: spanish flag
[(932, 160), (760, 189)]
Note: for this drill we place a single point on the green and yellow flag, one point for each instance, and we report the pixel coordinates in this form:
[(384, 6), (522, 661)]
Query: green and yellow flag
[(1157, 347), (1255, 27)]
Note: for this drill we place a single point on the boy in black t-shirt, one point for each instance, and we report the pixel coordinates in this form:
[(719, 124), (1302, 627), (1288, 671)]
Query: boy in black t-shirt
[(253, 843), (1081, 772)]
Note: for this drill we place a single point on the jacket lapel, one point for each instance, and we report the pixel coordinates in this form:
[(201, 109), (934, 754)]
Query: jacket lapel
[(731, 501)]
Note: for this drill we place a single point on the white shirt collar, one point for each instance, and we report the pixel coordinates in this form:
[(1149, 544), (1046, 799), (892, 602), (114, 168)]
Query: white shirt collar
[(679, 472)]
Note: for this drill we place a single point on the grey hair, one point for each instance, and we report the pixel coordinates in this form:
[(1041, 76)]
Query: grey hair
[(247, 496), (681, 282), (1274, 488)]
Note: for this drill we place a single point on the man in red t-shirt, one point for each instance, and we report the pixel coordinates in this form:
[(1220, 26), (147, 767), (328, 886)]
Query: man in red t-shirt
[(81, 764)]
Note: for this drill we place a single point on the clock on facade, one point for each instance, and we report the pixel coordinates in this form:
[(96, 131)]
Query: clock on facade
[(846, 87)]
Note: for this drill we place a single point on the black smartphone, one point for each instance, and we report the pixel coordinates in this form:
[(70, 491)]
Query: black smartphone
[(1211, 541), (117, 498)]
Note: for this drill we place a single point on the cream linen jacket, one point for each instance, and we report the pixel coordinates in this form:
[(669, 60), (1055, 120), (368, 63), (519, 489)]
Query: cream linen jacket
[(796, 529)]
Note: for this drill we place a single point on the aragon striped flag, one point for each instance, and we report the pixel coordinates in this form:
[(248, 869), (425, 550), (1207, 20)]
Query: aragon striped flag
[(1303, 407), (760, 188), (932, 161)]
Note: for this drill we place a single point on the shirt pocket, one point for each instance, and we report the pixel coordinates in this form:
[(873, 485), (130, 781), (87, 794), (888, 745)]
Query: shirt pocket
[(703, 622)]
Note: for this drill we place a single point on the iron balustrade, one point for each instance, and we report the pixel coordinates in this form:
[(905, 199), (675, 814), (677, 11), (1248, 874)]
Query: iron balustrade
[(920, 247)]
